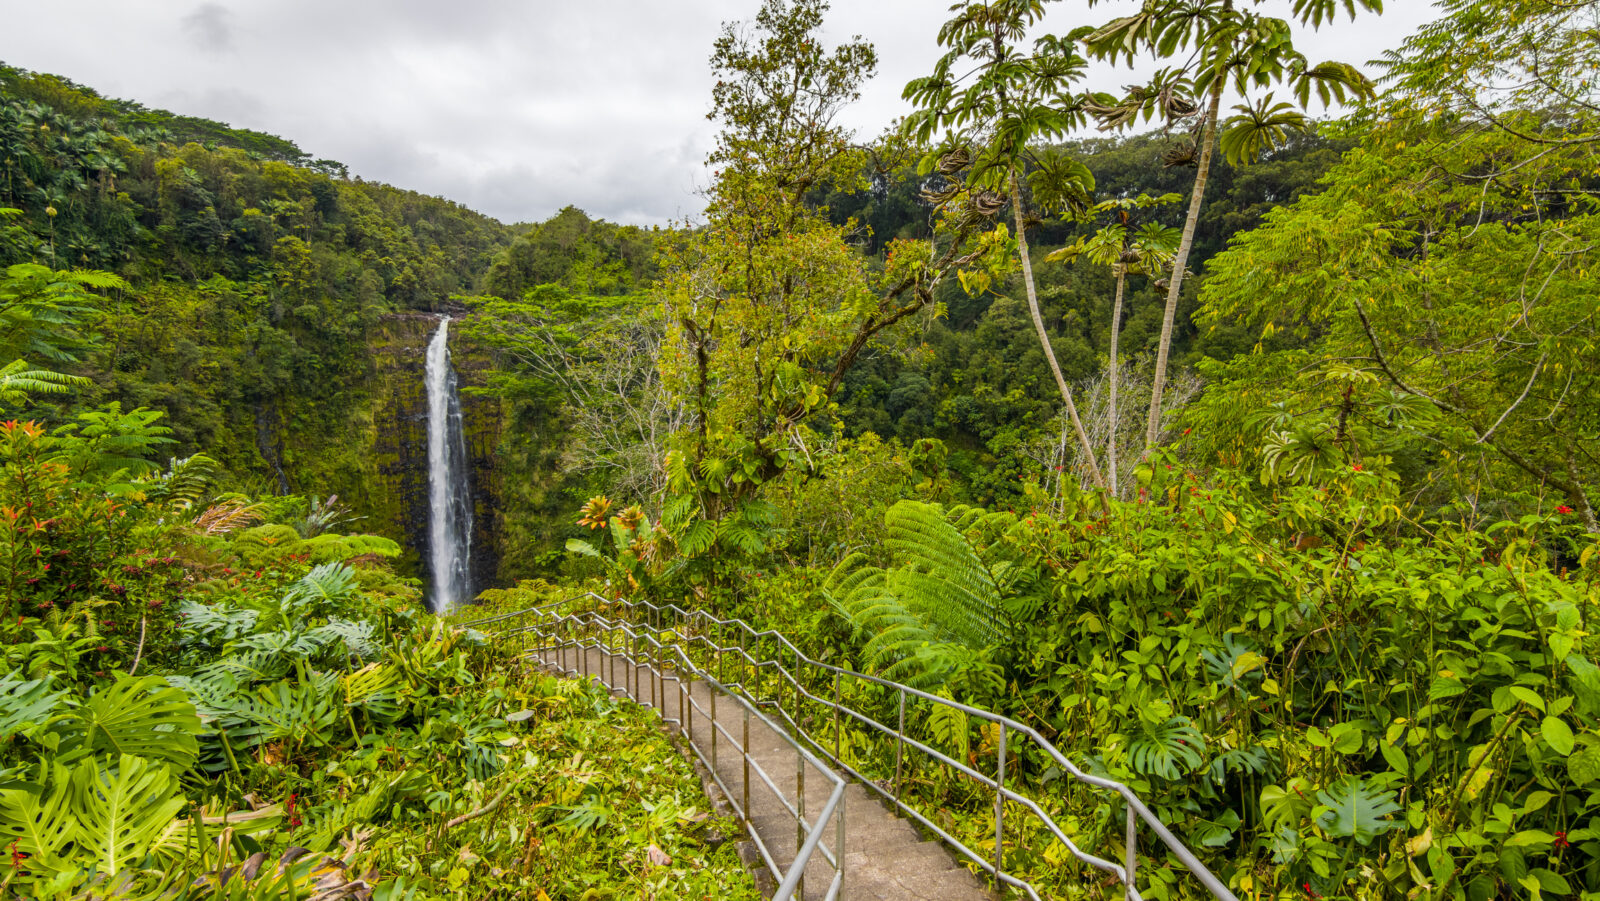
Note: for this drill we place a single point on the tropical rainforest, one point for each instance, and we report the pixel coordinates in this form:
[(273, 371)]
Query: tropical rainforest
[(1238, 431)]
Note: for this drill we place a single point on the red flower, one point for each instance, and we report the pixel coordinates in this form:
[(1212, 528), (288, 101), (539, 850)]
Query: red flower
[(1357, 467), (1563, 509), (1561, 841)]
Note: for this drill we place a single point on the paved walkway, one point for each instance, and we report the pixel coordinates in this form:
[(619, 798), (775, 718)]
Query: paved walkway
[(885, 858)]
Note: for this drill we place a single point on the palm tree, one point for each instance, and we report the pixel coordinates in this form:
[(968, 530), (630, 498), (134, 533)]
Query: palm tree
[(1008, 100), (1129, 250), (1221, 45)]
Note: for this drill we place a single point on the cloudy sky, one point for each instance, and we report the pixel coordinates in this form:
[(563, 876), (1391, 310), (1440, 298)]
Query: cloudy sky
[(512, 107)]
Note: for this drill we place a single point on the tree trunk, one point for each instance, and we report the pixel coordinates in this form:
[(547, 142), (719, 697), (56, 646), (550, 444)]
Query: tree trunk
[(1044, 337), (1208, 139), (1111, 401)]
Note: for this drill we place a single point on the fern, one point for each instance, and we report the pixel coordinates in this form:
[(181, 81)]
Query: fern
[(924, 617), (586, 816), (229, 515), (18, 382), (184, 482)]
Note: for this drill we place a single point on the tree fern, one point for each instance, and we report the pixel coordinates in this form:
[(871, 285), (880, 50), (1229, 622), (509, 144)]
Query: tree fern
[(18, 382), (184, 482), (939, 599)]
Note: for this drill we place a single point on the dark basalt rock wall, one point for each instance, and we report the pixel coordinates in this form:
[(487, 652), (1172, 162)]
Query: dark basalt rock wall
[(394, 496)]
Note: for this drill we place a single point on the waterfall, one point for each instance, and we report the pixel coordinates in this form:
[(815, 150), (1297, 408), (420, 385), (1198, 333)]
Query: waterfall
[(449, 494)]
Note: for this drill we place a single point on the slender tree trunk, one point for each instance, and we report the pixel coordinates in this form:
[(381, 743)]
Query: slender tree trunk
[(1044, 337), (1208, 139), (1111, 401)]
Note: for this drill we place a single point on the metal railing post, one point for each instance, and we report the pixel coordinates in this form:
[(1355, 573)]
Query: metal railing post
[(800, 808), (899, 742), (746, 811), (1131, 849), (838, 724), (1000, 815), (838, 840), (713, 725)]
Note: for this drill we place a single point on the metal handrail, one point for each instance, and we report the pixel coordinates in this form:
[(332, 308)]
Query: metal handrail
[(1137, 811), (656, 655)]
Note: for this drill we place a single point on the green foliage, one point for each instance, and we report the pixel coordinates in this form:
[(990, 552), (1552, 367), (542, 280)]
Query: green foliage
[(45, 314), (134, 717), (583, 255), (1427, 396), (930, 618), (1350, 808)]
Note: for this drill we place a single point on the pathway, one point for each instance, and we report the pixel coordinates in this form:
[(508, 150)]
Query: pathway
[(885, 858)]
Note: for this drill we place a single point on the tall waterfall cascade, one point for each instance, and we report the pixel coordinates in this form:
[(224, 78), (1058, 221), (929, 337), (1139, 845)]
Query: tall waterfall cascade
[(449, 490)]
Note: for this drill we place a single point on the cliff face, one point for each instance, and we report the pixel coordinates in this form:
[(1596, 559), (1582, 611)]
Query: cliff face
[(396, 490), (371, 448), (483, 423)]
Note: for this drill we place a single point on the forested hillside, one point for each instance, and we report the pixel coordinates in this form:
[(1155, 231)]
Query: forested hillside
[(1250, 459)]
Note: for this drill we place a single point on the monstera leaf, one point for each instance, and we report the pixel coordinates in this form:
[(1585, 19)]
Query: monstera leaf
[(1168, 749), (41, 825), (1350, 808), (25, 704), (144, 717), (123, 812), (89, 817)]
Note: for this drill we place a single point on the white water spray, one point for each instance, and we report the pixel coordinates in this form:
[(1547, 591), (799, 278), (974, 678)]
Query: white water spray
[(449, 494)]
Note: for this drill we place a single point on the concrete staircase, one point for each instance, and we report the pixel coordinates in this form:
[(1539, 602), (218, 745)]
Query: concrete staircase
[(884, 856)]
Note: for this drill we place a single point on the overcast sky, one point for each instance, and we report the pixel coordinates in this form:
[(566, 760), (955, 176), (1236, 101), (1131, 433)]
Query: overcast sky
[(515, 108)]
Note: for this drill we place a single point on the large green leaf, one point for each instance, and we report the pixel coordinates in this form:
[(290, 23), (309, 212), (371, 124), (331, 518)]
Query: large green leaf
[(122, 812), (41, 825), (143, 717), (1558, 734), (25, 704), (1584, 766), (1169, 749), (1350, 808)]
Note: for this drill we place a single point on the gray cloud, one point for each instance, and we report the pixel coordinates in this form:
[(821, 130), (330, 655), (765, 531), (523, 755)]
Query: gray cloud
[(514, 109), (208, 28)]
